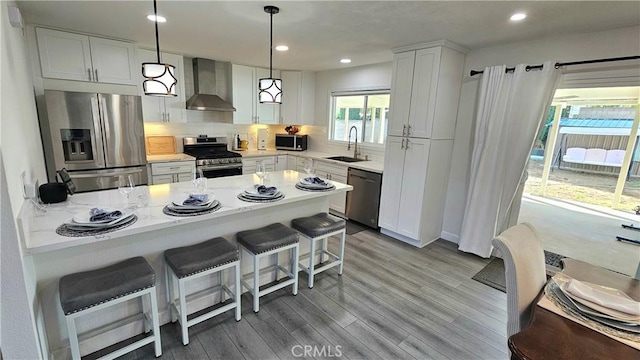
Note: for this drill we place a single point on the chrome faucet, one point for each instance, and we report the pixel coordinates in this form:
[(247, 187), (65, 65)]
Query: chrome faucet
[(355, 147)]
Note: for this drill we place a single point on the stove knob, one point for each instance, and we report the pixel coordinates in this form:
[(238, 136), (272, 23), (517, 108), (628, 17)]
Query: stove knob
[(224, 161)]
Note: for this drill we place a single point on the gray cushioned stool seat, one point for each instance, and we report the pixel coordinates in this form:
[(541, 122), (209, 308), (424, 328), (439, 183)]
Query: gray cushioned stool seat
[(83, 290), (188, 260), (317, 225), (267, 238)]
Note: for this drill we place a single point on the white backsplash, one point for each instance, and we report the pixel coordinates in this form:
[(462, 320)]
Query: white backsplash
[(199, 123)]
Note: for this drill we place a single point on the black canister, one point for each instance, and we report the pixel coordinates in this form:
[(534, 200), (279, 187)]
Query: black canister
[(51, 193)]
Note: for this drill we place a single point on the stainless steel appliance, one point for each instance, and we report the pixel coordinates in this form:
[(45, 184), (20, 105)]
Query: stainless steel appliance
[(96, 137), (363, 202), (291, 142), (212, 156)]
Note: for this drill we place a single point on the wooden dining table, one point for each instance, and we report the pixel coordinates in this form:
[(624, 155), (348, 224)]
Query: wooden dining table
[(551, 336)]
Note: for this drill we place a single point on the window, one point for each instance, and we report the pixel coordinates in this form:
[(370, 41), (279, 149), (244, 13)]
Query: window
[(368, 111)]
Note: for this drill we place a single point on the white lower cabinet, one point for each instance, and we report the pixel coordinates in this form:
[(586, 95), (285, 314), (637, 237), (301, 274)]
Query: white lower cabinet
[(282, 162), (335, 172), (249, 164), (170, 172), (414, 188)]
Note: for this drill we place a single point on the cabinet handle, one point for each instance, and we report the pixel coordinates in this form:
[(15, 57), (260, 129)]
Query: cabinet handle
[(408, 131), (174, 168), (404, 129), (402, 146), (162, 117), (96, 71), (168, 117), (407, 144), (89, 71)]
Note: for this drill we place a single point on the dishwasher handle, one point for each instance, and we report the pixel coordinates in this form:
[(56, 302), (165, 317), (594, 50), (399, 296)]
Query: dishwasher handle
[(362, 177)]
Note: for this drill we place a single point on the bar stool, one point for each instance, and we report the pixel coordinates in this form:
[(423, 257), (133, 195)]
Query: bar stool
[(86, 292), (270, 240), (321, 227), (192, 262)]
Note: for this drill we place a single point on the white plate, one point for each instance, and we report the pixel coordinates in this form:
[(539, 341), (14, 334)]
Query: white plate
[(252, 191), (124, 217), (194, 208), (307, 181), (85, 217), (261, 197), (178, 199)]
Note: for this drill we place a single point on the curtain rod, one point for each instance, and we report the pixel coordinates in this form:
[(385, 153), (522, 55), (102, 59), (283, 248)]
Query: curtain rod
[(558, 65)]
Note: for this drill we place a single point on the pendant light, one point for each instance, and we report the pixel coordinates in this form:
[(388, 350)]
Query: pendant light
[(160, 79), (270, 89)]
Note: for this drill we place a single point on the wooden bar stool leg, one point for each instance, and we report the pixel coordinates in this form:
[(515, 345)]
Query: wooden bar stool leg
[(73, 338), (183, 312), (171, 295), (343, 239), (256, 283), (238, 291), (156, 326), (294, 267), (145, 311), (277, 263), (312, 254)]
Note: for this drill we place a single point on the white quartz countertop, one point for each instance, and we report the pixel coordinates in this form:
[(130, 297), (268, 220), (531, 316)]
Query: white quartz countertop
[(169, 158), (367, 165), (39, 229)]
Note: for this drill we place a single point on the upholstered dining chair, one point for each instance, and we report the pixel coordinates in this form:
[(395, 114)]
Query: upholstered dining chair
[(525, 273)]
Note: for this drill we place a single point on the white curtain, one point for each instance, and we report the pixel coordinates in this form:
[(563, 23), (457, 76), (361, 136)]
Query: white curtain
[(511, 107)]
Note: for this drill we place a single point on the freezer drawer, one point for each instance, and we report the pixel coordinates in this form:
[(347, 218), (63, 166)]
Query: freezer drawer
[(107, 179), (363, 202)]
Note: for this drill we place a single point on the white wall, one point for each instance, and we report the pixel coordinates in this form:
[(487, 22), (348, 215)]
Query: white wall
[(376, 76), (562, 48), (19, 124)]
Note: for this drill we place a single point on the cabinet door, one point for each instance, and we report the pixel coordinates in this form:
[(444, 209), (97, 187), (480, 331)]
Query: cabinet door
[(292, 162), (291, 86), (338, 202), (175, 106), (64, 55), (400, 101), (182, 177), (244, 90), (281, 162), (423, 94), (266, 113), (392, 182), (114, 61), (162, 179), (414, 178)]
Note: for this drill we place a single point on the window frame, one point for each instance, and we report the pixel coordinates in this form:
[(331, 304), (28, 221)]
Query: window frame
[(360, 92)]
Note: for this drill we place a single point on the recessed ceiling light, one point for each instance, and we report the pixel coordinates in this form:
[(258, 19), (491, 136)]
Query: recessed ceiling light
[(345, 61), (158, 18), (518, 16), (282, 48)]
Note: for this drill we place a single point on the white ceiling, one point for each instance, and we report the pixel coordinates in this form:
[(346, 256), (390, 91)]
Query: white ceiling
[(319, 33)]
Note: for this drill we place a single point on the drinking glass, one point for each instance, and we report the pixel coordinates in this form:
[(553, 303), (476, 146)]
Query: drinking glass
[(126, 185), (198, 179), (261, 171), (308, 166)]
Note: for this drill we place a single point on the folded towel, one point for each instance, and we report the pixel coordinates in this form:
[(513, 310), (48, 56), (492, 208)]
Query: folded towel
[(612, 299), (196, 199), (316, 181), (266, 190), (102, 215)]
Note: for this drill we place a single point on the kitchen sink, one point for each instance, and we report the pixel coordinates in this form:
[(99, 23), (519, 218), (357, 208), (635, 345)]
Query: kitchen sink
[(344, 159)]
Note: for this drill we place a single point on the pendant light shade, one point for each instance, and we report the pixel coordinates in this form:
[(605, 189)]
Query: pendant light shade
[(270, 89), (160, 78)]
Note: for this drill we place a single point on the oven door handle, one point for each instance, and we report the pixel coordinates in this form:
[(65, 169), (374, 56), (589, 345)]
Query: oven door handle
[(209, 168)]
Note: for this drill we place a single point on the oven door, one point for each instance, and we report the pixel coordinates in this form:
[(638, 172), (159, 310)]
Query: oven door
[(220, 171)]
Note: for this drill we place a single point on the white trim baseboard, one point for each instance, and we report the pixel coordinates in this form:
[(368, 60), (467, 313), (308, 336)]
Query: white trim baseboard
[(450, 237)]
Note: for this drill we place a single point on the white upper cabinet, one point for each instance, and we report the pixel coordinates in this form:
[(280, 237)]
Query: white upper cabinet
[(245, 97), (72, 56), (163, 108), (425, 89), (298, 90)]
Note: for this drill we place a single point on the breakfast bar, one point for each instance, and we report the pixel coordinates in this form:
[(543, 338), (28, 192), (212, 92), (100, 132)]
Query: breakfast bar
[(53, 255)]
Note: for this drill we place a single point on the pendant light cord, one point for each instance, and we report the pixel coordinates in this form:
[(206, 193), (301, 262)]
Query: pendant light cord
[(270, 46), (155, 13)]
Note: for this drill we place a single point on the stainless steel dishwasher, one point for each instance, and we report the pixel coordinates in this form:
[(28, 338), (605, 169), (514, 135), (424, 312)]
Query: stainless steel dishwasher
[(363, 202)]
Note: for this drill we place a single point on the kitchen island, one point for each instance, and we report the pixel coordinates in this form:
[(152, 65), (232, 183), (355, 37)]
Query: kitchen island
[(53, 255)]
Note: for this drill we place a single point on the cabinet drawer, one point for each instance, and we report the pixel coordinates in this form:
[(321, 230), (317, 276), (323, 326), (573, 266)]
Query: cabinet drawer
[(184, 177), (251, 162), (162, 179), (172, 167), (321, 166)]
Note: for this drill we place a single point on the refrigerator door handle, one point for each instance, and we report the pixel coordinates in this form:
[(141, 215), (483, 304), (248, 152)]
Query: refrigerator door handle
[(98, 143), (89, 175), (106, 130)]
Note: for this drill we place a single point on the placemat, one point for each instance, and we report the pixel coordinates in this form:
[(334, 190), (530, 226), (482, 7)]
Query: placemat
[(300, 187), (64, 230), (170, 212), (260, 201)]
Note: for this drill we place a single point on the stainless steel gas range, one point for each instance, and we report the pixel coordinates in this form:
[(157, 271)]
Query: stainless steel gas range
[(212, 156)]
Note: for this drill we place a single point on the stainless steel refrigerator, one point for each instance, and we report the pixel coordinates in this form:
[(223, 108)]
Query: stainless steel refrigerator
[(96, 137)]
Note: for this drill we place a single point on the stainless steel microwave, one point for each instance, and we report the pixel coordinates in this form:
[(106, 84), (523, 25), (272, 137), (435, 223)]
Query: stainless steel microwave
[(291, 142)]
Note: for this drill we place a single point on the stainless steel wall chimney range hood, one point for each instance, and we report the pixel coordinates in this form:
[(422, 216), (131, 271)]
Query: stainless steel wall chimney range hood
[(211, 81)]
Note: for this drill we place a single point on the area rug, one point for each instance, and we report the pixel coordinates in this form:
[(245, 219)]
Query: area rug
[(354, 227), (493, 273)]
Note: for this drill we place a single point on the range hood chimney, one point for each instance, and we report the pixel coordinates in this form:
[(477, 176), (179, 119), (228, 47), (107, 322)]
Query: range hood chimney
[(210, 82)]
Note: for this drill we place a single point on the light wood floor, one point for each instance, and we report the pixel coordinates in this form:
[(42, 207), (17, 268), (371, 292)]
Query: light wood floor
[(393, 302)]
